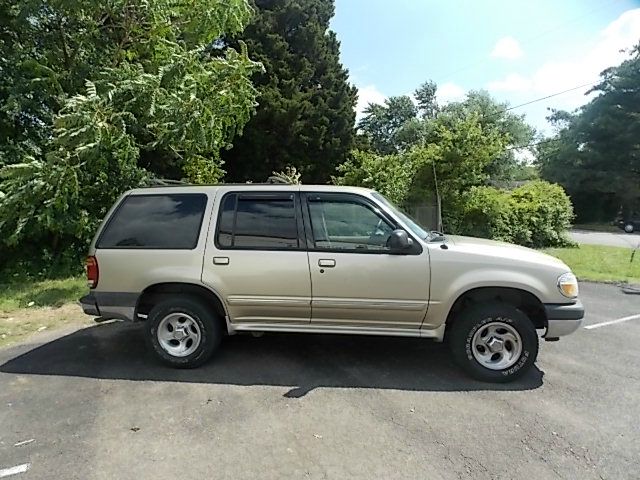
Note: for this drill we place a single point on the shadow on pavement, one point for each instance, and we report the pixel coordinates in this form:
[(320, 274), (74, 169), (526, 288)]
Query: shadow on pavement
[(304, 362)]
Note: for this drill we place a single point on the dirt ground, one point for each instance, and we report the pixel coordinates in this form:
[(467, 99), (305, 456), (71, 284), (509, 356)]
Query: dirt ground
[(18, 325)]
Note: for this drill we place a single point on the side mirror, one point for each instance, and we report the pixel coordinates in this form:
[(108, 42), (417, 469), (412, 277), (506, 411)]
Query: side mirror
[(399, 241)]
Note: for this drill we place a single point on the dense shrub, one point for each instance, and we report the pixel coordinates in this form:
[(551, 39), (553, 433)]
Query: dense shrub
[(487, 213), (391, 175), (535, 215)]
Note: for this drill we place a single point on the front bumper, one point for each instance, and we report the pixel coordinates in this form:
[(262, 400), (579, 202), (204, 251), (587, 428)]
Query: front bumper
[(563, 319)]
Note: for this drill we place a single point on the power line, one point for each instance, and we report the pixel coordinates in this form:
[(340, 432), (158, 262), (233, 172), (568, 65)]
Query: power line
[(548, 96), (535, 100), (518, 147)]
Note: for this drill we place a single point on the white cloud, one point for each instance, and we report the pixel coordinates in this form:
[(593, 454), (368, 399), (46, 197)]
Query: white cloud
[(449, 92), (366, 95), (579, 69), (508, 48), (555, 76), (622, 33)]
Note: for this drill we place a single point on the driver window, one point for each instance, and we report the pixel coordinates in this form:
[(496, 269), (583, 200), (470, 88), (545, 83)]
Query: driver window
[(348, 225)]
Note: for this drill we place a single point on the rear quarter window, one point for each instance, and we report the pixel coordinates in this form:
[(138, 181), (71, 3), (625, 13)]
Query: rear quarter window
[(155, 221), (257, 222)]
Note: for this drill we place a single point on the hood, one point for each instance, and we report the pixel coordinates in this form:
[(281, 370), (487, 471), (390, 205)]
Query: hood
[(503, 252)]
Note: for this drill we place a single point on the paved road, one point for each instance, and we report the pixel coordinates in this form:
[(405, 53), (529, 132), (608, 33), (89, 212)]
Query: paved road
[(630, 240), (292, 406)]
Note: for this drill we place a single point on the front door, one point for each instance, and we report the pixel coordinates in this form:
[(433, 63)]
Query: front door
[(355, 279), (256, 259)]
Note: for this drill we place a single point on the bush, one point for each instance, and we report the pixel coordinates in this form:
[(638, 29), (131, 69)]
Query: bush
[(535, 215), (390, 175), (487, 213), (546, 211)]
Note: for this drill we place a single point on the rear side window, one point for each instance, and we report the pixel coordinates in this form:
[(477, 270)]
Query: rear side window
[(169, 221), (255, 222)]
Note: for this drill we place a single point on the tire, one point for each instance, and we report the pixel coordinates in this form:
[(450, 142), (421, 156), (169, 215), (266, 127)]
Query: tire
[(628, 227), (505, 323), (183, 331)]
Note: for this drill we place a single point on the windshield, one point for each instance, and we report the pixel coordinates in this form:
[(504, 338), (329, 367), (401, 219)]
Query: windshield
[(413, 226)]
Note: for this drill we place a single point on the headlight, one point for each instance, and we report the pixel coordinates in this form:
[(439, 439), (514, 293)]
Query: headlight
[(568, 285)]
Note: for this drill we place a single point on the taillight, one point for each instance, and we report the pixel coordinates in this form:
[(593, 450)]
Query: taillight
[(93, 273)]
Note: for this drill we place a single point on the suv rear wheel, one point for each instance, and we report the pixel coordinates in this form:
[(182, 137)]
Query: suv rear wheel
[(494, 342), (183, 331)]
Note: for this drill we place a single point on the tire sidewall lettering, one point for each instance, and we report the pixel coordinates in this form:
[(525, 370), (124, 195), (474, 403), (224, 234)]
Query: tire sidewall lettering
[(524, 356)]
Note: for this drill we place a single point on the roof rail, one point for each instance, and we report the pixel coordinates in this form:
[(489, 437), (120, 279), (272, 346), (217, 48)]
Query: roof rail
[(275, 179), (160, 183), (166, 182)]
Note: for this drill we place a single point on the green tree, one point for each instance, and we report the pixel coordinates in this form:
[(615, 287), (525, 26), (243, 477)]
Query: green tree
[(426, 99), (391, 175), (399, 124), (306, 113), (457, 151), (454, 158), (98, 96), (595, 153), (382, 124), (497, 117)]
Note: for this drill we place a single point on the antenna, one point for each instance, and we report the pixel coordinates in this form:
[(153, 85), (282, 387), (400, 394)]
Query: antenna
[(438, 204)]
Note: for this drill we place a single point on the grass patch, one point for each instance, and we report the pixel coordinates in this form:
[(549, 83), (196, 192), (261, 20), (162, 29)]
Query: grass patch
[(29, 306), (43, 293), (599, 263)]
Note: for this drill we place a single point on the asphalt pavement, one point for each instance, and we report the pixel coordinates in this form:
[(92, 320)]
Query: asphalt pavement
[(93, 404), (611, 239)]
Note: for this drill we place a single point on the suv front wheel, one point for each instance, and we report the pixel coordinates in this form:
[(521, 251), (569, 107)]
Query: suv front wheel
[(183, 331), (494, 342)]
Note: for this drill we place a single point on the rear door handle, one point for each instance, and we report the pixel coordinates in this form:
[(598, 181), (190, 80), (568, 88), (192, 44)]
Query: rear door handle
[(221, 260), (327, 262)]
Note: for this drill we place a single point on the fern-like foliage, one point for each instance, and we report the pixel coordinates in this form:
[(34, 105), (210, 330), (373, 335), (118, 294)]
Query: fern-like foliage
[(97, 97)]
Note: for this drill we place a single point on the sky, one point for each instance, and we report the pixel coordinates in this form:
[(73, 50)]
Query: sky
[(517, 50)]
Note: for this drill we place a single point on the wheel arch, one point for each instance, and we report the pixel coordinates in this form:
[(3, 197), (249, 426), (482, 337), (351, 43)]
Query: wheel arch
[(523, 300), (153, 293)]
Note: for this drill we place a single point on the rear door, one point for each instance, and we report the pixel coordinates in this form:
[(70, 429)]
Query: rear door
[(356, 280), (255, 258)]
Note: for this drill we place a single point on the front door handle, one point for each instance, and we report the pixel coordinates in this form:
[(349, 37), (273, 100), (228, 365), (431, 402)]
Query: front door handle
[(221, 260), (327, 262)]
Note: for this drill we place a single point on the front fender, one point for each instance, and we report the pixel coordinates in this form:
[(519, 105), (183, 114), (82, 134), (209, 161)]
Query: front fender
[(443, 296)]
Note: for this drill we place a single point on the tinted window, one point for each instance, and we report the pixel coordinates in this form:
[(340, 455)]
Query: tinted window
[(225, 221), (346, 225), (257, 223), (156, 221)]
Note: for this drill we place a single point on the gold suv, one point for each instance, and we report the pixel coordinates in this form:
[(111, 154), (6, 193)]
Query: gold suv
[(196, 263)]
